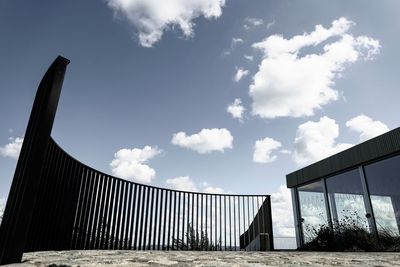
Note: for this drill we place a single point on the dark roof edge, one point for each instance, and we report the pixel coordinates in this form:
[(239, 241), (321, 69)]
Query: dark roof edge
[(377, 147)]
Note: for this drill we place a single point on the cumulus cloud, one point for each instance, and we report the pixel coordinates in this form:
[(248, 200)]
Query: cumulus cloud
[(207, 188), (240, 73), (366, 127), (13, 148), (206, 141), (252, 22), (263, 150), (183, 183), (317, 140), (130, 164), (293, 84), (282, 212), (236, 109), (151, 18)]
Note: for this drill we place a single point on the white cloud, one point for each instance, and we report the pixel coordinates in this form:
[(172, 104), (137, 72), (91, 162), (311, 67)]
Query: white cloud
[(252, 22), (285, 151), (263, 150), (290, 84), (183, 183), (366, 127), (151, 18), (237, 40), (248, 57), (13, 148), (206, 141), (270, 24), (282, 212), (3, 202), (236, 109), (207, 188), (234, 42), (240, 73), (130, 164), (317, 140)]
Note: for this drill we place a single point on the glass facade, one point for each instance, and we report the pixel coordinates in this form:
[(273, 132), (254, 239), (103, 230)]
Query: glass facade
[(368, 195), (312, 208), (384, 187), (346, 200)]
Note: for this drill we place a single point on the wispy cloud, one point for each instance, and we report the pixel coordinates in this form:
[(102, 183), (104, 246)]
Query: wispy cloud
[(270, 24), (240, 73), (250, 23), (248, 57), (234, 43)]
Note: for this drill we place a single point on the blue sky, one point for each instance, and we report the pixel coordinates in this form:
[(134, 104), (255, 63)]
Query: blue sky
[(147, 92)]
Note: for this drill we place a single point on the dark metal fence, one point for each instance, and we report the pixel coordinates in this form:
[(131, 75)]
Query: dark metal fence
[(73, 206), (81, 208)]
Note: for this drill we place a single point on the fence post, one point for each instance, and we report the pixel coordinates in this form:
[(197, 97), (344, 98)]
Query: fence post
[(23, 193)]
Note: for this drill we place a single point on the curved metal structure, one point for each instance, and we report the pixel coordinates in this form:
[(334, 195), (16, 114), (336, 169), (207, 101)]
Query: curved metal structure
[(59, 203)]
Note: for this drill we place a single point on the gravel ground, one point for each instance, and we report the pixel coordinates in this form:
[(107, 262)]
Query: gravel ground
[(198, 258)]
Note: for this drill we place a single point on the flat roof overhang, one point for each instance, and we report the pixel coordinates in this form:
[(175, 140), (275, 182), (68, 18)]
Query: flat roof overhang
[(376, 148)]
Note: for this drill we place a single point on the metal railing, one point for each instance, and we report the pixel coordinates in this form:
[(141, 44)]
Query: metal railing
[(58, 203), (111, 213)]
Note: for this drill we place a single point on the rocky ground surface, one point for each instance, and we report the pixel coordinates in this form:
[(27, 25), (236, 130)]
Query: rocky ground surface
[(197, 258)]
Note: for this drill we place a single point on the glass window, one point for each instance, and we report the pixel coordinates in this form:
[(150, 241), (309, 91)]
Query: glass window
[(383, 179), (346, 199), (312, 208)]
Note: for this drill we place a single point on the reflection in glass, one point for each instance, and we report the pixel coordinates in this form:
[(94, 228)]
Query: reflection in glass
[(384, 216), (312, 208), (346, 199), (383, 179)]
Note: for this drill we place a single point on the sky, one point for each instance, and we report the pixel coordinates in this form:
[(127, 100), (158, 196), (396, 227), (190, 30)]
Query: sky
[(203, 95)]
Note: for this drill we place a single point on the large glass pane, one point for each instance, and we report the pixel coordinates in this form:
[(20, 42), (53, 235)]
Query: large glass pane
[(312, 208), (346, 199), (383, 180)]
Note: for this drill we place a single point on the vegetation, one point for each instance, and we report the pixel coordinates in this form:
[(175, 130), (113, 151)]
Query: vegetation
[(349, 234), (195, 241)]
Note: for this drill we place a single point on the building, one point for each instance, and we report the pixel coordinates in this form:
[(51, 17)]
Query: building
[(361, 183)]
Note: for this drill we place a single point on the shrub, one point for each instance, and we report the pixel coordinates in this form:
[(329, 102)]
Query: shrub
[(194, 242), (349, 234)]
